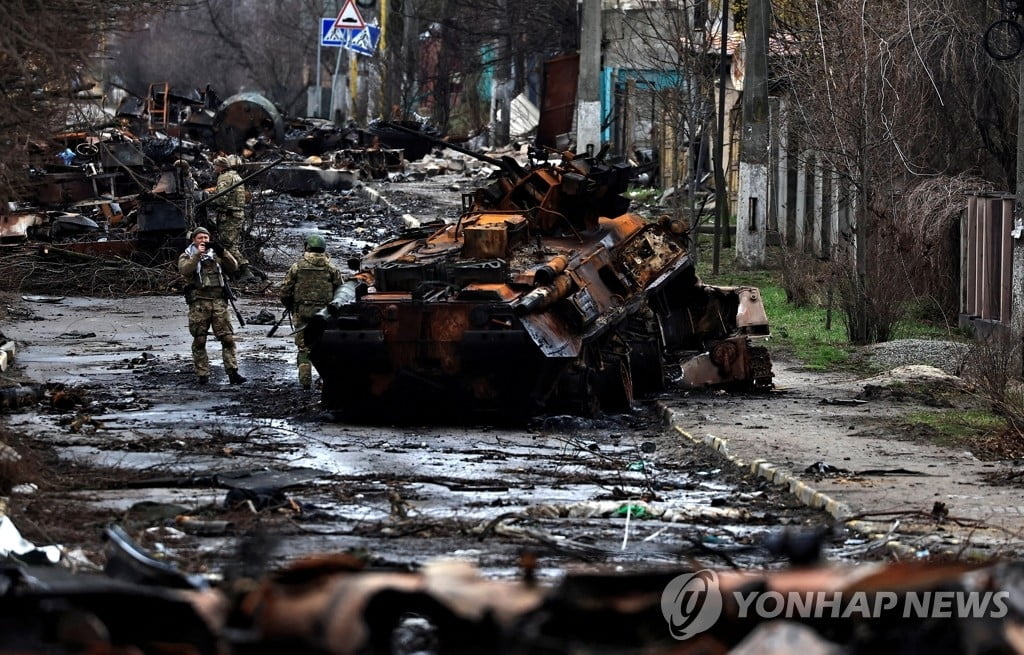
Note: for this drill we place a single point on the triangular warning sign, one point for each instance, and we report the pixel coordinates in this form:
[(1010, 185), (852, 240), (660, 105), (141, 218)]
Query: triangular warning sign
[(349, 17)]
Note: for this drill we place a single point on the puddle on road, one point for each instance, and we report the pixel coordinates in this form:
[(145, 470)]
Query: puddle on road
[(404, 495), (409, 495)]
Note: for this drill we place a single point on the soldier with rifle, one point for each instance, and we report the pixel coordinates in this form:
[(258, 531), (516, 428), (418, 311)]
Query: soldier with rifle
[(309, 285), (205, 265), (229, 203)]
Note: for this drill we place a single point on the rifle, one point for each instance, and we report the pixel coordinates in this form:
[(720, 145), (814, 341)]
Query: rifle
[(229, 295), (286, 313), (239, 182)]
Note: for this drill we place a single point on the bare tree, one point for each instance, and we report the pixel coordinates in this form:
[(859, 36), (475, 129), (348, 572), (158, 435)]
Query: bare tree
[(669, 57), (47, 55), (889, 96)]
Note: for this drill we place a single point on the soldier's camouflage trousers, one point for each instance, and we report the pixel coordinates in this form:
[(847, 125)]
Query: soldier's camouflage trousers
[(229, 233), (202, 315), (302, 358)]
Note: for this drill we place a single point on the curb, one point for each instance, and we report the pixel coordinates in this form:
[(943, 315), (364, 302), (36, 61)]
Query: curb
[(762, 468)]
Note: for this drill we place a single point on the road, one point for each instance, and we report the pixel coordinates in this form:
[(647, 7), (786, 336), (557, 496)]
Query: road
[(125, 435)]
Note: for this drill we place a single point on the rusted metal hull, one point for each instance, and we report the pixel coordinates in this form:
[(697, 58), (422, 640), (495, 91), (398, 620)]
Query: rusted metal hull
[(432, 360), (544, 296), (246, 116), (585, 332)]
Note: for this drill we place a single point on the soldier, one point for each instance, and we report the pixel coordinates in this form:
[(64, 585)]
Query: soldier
[(230, 209), (188, 187), (204, 264), (309, 285)]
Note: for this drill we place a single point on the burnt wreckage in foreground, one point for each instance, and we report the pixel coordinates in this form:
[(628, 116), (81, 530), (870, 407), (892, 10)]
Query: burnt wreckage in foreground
[(544, 296)]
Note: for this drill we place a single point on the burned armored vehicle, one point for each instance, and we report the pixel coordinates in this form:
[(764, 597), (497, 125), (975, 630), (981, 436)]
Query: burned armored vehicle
[(544, 296)]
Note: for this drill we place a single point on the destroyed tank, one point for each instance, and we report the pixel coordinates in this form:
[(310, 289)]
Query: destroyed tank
[(544, 296)]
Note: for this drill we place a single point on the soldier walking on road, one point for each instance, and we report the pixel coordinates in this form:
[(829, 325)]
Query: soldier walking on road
[(204, 264), (230, 214), (309, 285)]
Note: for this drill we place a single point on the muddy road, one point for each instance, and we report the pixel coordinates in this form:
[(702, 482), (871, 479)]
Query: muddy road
[(124, 435)]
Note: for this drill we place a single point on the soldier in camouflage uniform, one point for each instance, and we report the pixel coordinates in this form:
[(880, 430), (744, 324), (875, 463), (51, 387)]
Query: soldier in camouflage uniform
[(309, 285), (230, 213), (204, 264)]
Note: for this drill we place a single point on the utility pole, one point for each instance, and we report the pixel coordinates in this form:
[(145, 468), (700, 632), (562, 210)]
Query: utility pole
[(318, 90), (588, 90), (721, 193), (752, 207)]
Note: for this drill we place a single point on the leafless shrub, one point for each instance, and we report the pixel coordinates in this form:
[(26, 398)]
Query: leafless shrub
[(804, 277), (29, 271), (993, 369), (259, 232), (927, 227), (874, 304)]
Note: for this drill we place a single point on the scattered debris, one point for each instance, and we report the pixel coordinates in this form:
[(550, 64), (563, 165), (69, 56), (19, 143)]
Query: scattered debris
[(336, 604)]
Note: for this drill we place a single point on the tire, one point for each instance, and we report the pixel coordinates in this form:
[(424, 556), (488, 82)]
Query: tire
[(1004, 40)]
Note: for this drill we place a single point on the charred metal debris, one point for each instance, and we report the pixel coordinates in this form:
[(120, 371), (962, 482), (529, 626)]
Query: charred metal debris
[(132, 187), (544, 295), (340, 604)]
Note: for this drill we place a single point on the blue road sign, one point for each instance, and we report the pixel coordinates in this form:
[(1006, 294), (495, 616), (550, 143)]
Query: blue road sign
[(362, 41), (331, 37)]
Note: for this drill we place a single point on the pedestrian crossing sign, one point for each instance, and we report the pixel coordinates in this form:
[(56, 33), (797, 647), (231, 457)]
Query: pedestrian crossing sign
[(364, 42), (331, 35)]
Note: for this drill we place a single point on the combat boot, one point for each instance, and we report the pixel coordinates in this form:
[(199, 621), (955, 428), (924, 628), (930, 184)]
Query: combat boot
[(203, 379), (235, 377)]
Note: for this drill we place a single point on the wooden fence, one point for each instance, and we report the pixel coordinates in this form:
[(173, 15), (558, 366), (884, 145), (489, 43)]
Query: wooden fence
[(986, 259)]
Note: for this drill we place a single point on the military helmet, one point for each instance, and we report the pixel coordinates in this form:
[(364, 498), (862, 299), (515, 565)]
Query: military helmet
[(316, 242), (221, 162)]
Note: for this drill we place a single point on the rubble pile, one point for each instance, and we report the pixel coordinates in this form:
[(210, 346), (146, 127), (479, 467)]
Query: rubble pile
[(133, 188)]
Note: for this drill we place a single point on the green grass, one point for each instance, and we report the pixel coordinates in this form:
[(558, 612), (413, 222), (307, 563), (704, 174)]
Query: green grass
[(642, 195), (802, 331), (799, 332), (956, 427)]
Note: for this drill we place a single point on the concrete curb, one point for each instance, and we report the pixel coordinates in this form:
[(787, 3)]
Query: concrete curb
[(762, 468)]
